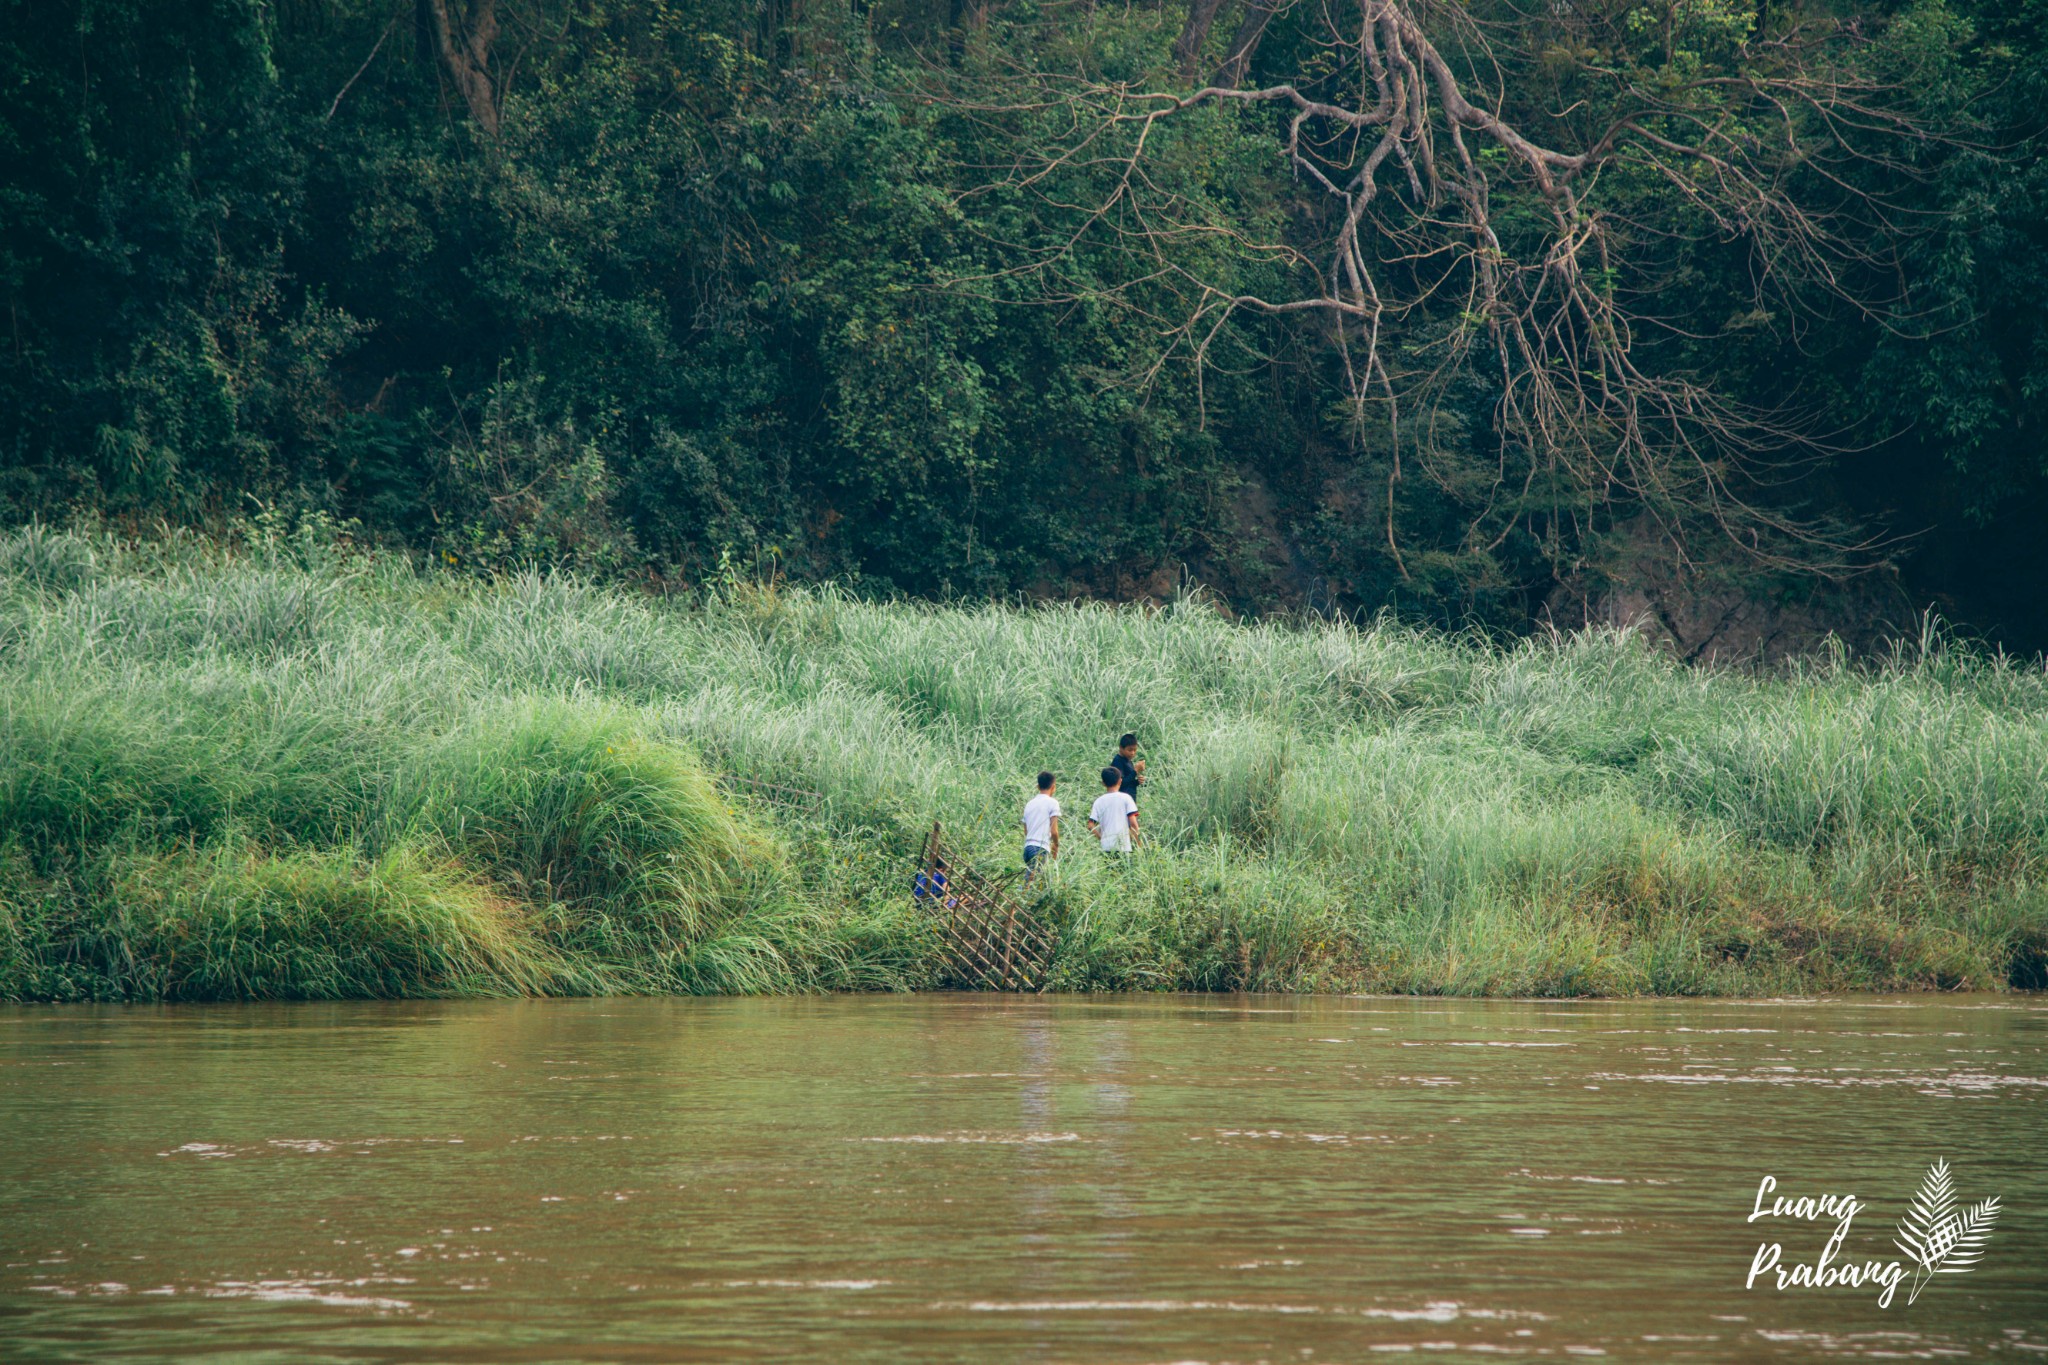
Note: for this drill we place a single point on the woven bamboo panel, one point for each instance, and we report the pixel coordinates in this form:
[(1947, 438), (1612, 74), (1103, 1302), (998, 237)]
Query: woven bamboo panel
[(992, 942)]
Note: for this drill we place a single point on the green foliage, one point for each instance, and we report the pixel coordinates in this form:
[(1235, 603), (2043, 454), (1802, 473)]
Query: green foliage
[(299, 773), (626, 842), (735, 283), (236, 925)]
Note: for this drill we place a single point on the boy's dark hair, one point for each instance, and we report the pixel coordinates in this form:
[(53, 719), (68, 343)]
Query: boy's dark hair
[(1127, 742), (1111, 777), (1044, 780)]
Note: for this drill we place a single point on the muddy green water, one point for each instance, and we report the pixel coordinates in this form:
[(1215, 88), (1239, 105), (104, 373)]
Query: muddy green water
[(963, 1178)]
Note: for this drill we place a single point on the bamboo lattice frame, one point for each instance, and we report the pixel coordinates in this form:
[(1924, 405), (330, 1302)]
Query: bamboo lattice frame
[(992, 943)]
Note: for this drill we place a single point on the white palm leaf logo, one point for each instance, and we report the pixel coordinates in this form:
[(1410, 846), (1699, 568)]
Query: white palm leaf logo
[(1937, 1237)]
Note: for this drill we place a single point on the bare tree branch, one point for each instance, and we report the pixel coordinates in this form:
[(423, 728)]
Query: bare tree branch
[(350, 84), (1438, 220)]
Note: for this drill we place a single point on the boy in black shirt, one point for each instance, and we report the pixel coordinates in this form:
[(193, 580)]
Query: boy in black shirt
[(1129, 765)]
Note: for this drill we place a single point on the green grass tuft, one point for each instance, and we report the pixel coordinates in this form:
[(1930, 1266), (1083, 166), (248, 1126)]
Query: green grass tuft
[(240, 924)]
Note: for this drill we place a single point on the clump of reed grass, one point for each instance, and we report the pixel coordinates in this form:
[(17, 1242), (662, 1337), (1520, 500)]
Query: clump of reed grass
[(623, 843), (286, 769), (38, 557), (239, 923)]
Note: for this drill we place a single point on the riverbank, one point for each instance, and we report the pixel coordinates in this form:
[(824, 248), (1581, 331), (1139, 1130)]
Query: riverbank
[(292, 772)]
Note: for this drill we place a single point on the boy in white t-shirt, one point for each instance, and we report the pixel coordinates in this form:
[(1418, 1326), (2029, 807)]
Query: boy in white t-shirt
[(1114, 816), (1041, 825)]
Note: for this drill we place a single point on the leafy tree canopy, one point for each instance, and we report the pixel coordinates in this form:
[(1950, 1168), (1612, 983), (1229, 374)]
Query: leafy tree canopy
[(986, 298)]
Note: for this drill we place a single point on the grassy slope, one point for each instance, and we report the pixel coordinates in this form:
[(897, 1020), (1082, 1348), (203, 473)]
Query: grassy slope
[(281, 775)]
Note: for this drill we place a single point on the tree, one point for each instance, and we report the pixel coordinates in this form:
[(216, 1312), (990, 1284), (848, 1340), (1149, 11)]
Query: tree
[(1500, 197)]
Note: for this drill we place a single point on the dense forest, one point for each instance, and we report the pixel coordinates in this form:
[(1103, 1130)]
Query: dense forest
[(1483, 310)]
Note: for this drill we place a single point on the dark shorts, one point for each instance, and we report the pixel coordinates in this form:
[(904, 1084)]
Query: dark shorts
[(1032, 853)]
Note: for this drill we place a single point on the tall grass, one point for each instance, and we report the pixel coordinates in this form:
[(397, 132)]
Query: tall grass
[(286, 772)]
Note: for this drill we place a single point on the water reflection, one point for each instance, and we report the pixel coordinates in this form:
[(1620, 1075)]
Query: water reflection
[(948, 1178)]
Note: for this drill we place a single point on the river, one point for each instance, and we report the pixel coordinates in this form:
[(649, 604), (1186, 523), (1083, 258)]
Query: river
[(941, 1178)]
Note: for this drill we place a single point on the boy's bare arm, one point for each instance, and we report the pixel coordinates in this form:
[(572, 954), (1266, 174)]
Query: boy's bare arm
[(1134, 829), (1055, 836)]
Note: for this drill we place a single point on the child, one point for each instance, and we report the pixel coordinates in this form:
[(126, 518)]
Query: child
[(930, 884), (1041, 825), (1129, 765), (1114, 816)]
